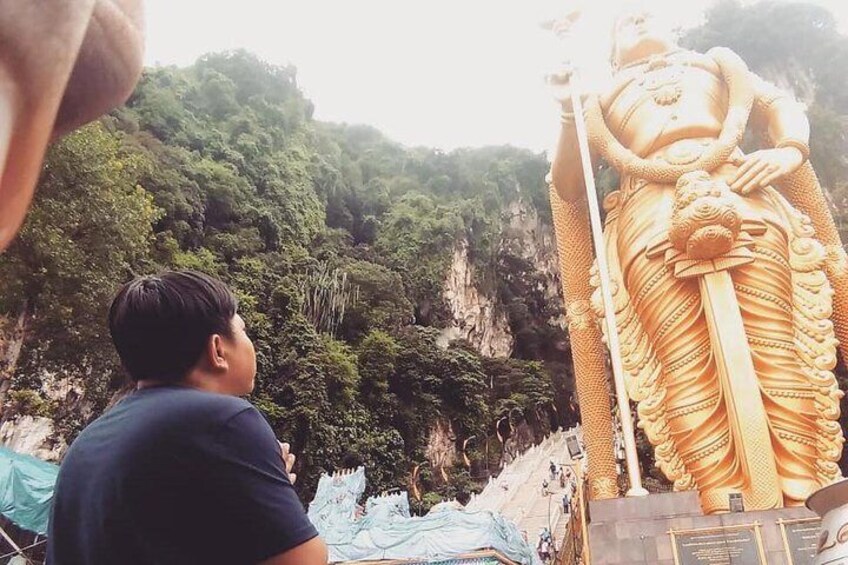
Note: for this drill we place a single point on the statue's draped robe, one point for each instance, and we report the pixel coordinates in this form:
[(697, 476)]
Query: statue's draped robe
[(670, 114)]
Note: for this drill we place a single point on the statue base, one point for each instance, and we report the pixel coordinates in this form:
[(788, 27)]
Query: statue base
[(670, 529)]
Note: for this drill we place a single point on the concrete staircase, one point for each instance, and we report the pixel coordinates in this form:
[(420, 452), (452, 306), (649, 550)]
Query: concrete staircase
[(516, 492)]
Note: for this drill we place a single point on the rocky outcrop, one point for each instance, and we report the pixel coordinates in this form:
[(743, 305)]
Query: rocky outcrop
[(35, 434), (474, 316), (441, 448), (535, 241), (791, 76), (32, 435), (12, 333)]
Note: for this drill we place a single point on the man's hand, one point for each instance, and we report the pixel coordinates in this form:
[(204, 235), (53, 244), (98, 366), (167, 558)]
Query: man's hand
[(288, 459), (314, 551), (761, 168), (62, 63)]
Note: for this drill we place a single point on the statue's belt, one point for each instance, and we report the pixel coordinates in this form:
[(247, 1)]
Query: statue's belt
[(679, 153)]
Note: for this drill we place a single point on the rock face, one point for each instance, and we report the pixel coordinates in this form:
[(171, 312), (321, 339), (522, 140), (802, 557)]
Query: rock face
[(441, 446), (536, 242), (32, 435), (791, 76), (37, 435), (474, 315)]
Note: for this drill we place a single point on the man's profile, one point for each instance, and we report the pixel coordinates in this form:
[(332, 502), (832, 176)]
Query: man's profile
[(181, 471)]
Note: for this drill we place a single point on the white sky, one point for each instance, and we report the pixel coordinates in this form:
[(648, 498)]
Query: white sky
[(439, 73)]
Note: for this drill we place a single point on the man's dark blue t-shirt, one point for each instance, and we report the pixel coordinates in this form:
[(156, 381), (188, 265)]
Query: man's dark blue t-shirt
[(175, 475)]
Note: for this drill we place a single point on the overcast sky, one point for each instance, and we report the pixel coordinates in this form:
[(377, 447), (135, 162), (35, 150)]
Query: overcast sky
[(440, 73)]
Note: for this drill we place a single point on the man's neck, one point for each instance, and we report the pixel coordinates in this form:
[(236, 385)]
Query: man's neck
[(197, 378), (155, 383)]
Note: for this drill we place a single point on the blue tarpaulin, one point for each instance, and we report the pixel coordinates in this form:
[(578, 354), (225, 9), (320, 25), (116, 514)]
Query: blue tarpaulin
[(26, 490), (386, 531)]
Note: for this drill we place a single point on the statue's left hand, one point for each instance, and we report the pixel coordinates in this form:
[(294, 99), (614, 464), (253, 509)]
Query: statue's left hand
[(761, 168)]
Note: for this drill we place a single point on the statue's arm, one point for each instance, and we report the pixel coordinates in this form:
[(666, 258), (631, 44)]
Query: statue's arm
[(566, 168), (781, 117), (566, 164), (787, 129)]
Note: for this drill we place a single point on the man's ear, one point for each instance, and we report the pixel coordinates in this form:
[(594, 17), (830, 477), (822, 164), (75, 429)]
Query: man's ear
[(216, 352)]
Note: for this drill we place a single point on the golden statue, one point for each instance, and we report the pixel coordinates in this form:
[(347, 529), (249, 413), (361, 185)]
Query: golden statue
[(726, 269)]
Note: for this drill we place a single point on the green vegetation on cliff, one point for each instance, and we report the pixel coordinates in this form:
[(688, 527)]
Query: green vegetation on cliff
[(338, 243)]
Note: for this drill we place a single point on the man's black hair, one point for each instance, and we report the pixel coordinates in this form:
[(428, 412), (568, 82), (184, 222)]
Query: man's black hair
[(160, 324)]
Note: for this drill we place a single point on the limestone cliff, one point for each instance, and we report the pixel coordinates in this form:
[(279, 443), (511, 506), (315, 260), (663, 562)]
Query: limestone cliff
[(29, 421), (474, 315)]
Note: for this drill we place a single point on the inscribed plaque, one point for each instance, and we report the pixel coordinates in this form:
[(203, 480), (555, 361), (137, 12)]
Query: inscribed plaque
[(737, 546), (802, 540)]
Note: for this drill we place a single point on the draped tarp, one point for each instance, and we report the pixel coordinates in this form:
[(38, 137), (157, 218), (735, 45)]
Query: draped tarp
[(26, 490), (387, 531)]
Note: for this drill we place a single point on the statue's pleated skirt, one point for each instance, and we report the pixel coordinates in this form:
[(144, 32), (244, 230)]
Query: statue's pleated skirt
[(672, 314)]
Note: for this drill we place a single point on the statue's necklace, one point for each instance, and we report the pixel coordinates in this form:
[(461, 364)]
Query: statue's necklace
[(741, 99), (651, 59), (661, 77), (662, 81)]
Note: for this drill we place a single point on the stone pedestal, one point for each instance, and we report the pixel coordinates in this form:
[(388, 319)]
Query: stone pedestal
[(636, 530)]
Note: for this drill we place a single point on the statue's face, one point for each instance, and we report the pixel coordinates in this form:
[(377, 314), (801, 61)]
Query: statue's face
[(638, 34)]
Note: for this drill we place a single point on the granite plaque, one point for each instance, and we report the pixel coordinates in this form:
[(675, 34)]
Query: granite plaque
[(726, 546), (801, 540), (735, 501)]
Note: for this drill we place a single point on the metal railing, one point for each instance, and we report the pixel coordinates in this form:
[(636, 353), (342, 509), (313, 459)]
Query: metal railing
[(573, 548)]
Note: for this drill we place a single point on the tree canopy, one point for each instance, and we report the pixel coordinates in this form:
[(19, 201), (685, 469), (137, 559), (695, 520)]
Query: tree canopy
[(338, 243)]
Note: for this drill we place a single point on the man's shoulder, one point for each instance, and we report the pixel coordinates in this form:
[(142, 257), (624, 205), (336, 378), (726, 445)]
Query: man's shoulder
[(150, 424), (166, 409)]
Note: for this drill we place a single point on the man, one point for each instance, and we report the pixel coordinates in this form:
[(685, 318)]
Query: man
[(182, 471), (543, 550)]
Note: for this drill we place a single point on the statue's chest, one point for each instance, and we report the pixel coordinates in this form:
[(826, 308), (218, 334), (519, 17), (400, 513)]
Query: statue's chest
[(663, 86), (670, 101)]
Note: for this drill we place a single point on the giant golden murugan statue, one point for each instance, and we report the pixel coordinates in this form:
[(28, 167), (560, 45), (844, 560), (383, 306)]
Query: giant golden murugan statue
[(724, 267)]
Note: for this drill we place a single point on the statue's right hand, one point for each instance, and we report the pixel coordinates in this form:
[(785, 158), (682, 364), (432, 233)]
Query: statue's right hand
[(560, 84)]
